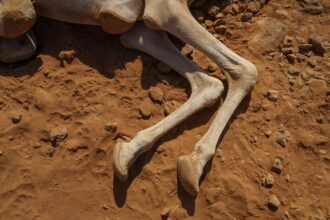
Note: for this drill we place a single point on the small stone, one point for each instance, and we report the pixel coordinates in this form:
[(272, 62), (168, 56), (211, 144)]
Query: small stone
[(305, 47), (268, 133), (219, 15), (156, 94), (164, 68), (221, 29), (50, 151), (235, 8), (58, 135), (277, 166), (273, 202), (286, 214), (105, 207), (208, 23), (318, 47), (246, 17), (198, 15), (165, 212), (1, 153), (291, 57), (253, 7), (311, 63), (272, 95), (219, 22), (111, 126), (269, 180), (323, 152), (300, 57), (145, 111), (16, 118), (67, 56), (293, 71), (187, 50), (281, 139), (287, 50), (213, 11)]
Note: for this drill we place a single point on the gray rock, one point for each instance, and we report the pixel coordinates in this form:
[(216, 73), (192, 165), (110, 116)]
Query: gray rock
[(58, 135), (268, 35), (272, 95), (246, 16), (277, 166), (111, 126), (156, 94), (293, 71), (16, 118), (318, 47), (273, 202)]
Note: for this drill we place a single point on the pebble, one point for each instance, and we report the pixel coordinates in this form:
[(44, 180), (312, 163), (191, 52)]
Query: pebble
[(165, 212), (187, 50), (16, 118), (272, 95), (277, 166), (58, 135), (219, 22), (111, 126), (105, 207), (311, 63), (253, 7), (213, 11), (246, 16), (282, 139), (1, 153), (212, 67), (163, 67), (323, 152), (269, 180), (145, 111), (67, 56), (50, 151), (156, 94), (316, 42), (273, 202), (305, 47), (287, 50), (221, 29), (268, 133)]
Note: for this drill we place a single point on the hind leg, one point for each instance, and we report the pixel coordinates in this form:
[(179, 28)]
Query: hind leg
[(205, 91), (17, 49)]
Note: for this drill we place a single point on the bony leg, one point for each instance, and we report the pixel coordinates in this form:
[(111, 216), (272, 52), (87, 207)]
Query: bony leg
[(205, 90), (174, 16)]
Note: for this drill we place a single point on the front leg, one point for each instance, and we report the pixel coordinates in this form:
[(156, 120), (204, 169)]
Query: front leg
[(205, 91)]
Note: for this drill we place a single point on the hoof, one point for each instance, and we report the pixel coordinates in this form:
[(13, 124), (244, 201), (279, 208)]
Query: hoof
[(188, 173), (121, 170)]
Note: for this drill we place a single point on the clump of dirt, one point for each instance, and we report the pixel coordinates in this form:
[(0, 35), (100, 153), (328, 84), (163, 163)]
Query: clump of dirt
[(62, 112)]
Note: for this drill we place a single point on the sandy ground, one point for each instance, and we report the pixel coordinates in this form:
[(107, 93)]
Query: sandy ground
[(106, 83)]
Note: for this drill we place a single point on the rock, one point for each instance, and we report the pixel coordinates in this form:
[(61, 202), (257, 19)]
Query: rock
[(212, 67), (187, 50), (313, 7), (165, 213), (235, 8), (293, 71), (164, 68), (253, 7), (67, 56), (267, 35), (219, 22), (312, 63), (318, 47), (277, 166), (156, 94), (1, 153), (303, 48), (281, 139), (268, 133), (323, 152), (291, 57), (145, 110), (16, 118), (213, 11), (269, 180), (287, 42), (111, 126), (246, 16), (50, 151), (198, 15), (273, 202), (272, 95), (105, 207), (287, 50), (221, 29), (58, 135)]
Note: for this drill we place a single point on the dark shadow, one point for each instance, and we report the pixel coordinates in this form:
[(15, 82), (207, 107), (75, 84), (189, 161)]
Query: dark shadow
[(26, 67)]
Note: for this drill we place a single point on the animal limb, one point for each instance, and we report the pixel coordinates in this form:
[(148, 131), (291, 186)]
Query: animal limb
[(205, 91), (174, 17)]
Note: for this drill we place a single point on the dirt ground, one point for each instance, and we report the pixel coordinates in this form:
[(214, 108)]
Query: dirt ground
[(285, 119)]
